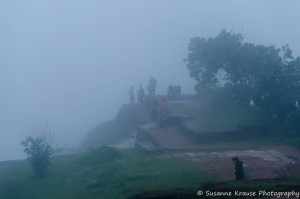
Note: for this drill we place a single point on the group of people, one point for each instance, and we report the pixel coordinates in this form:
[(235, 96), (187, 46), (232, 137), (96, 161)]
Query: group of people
[(159, 111), (141, 93)]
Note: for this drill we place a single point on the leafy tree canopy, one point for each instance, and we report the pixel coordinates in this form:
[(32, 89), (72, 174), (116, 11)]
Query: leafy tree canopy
[(265, 75)]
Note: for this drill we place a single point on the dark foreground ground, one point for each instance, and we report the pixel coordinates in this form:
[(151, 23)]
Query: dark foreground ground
[(110, 173)]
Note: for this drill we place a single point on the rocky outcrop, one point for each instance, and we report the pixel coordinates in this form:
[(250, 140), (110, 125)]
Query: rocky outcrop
[(111, 132)]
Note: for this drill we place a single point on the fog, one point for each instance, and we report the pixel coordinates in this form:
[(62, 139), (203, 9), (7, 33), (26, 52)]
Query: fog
[(73, 62)]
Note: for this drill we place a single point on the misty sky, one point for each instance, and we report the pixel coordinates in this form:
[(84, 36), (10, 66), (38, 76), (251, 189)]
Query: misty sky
[(73, 61)]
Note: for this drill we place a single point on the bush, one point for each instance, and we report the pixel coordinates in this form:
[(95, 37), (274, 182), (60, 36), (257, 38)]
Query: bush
[(38, 150)]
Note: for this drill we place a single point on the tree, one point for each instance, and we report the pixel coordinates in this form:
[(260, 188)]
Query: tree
[(265, 75), (207, 56), (39, 149)]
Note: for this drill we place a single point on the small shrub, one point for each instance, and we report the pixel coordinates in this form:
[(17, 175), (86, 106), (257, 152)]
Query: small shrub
[(38, 151)]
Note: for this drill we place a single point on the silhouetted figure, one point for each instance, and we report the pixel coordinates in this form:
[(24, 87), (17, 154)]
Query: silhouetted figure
[(154, 112), (151, 86), (141, 95), (131, 95), (241, 170)]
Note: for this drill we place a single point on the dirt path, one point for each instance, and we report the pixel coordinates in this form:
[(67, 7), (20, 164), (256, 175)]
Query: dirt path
[(264, 163)]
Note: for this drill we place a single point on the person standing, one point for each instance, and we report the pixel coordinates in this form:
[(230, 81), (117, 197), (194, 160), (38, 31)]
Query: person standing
[(151, 86), (154, 112), (131, 95), (141, 95)]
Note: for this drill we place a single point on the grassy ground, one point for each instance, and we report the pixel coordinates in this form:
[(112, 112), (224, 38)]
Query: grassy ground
[(238, 189), (110, 173), (102, 173)]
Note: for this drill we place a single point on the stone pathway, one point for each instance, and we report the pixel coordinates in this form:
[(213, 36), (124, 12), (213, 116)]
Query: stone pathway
[(262, 163), (267, 155)]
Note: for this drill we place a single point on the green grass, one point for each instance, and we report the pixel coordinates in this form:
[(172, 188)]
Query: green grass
[(287, 183), (101, 173), (284, 184), (109, 173)]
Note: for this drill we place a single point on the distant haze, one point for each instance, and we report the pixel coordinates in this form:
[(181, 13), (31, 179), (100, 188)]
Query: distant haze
[(72, 62)]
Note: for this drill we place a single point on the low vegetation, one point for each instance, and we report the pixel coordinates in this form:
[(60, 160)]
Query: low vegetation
[(230, 189), (100, 173)]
